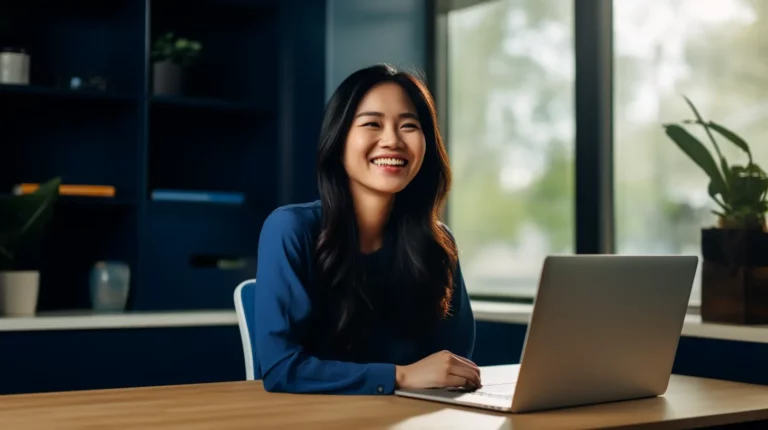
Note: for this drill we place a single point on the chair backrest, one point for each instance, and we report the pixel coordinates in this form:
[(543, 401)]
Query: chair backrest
[(244, 296)]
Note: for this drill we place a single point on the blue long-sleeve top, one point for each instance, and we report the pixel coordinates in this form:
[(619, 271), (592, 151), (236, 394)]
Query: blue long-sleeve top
[(283, 310)]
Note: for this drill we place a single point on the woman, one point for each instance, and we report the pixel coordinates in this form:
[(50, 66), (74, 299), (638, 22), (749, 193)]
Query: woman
[(361, 292)]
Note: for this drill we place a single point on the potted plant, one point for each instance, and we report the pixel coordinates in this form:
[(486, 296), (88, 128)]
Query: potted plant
[(170, 56), (23, 219), (735, 252)]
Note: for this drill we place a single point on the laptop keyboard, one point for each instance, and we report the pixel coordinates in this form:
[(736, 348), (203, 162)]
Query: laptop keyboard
[(498, 391)]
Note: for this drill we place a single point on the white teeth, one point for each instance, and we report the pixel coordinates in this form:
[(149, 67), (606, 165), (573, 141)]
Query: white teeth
[(389, 162)]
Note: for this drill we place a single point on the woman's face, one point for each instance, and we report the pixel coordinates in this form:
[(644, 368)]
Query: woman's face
[(385, 144)]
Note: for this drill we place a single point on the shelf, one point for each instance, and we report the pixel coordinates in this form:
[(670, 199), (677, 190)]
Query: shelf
[(204, 103), (86, 201), (60, 93), (193, 209), (188, 203), (91, 320), (96, 201), (223, 123)]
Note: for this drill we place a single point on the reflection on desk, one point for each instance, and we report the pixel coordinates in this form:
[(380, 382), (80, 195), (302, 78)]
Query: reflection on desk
[(689, 403)]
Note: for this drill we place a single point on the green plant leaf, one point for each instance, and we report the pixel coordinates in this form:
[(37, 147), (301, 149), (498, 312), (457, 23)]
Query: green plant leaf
[(47, 201), (5, 252), (23, 219), (713, 193), (700, 120), (731, 136), (699, 154), (728, 134), (727, 176)]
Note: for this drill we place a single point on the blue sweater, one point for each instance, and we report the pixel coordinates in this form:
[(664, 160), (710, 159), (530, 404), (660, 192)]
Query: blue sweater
[(283, 311)]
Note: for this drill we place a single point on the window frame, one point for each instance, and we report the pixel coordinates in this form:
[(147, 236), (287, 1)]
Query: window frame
[(593, 110)]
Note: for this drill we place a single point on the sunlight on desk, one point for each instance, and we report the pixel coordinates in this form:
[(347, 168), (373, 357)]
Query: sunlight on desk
[(454, 419)]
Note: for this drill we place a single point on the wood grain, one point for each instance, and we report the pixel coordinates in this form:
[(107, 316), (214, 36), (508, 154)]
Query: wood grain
[(689, 403)]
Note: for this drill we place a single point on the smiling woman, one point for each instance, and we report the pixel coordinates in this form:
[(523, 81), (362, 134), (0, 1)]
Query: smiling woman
[(385, 145), (361, 292)]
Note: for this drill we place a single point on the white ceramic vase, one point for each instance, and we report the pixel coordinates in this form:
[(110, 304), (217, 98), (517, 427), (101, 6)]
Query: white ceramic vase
[(19, 291)]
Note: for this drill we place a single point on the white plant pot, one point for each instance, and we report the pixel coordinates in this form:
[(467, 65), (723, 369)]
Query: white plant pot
[(18, 293), (14, 68)]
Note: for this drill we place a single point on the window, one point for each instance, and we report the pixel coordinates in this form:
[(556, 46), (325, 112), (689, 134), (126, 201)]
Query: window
[(714, 53), (510, 133), (508, 86)]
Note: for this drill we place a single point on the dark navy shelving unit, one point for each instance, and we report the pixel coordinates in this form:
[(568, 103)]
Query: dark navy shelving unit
[(224, 133)]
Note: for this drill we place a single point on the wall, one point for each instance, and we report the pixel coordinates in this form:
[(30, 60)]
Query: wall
[(360, 33), (357, 33)]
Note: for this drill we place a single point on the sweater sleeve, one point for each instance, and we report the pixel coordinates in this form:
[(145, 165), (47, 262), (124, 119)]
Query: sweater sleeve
[(282, 309), (457, 331)]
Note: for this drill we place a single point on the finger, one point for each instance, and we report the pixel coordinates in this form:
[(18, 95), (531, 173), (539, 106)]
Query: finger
[(456, 381), (469, 374), (465, 361), (469, 365)]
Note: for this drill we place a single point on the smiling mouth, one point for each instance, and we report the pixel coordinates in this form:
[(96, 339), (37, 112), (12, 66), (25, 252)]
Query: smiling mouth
[(390, 162)]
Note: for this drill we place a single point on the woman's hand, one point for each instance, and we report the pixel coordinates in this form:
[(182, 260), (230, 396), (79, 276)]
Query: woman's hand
[(441, 369)]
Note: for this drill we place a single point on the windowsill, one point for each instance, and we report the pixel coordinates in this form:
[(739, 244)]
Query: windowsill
[(515, 313), (485, 311)]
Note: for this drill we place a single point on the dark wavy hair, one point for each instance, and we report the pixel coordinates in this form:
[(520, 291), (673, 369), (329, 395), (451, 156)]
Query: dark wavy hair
[(425, 255)]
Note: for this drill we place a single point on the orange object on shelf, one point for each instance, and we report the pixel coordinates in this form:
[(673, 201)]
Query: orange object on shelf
[(70, 190)]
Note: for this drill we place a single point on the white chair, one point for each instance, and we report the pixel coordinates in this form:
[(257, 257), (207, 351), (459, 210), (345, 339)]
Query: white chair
[(244, 294)]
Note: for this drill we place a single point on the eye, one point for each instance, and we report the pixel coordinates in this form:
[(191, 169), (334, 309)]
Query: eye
[(411, 125), (371, 124)]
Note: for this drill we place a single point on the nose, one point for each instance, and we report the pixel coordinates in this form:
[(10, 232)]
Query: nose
[(390, 139)]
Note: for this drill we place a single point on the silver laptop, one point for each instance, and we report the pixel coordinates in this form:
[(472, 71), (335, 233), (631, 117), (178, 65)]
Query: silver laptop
[(604, 328)]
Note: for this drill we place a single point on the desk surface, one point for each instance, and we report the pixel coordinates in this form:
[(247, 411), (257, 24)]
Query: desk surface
[(690, 402)]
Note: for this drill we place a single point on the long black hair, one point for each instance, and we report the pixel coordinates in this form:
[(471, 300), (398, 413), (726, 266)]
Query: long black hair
[(425, 255)]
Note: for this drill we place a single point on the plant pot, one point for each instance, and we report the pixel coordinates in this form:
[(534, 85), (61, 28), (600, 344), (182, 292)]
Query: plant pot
[(167, 78), (14, 66), (19, 291), (734, 281)]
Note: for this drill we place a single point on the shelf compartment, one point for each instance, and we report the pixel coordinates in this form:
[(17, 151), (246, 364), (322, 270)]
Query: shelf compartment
[(39, 92), (83, 38), (183, 243), (225, 153), (74, 242), (240, 48), (93, 146)]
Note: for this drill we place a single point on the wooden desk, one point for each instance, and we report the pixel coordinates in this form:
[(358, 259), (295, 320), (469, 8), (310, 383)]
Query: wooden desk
[(689, 403)]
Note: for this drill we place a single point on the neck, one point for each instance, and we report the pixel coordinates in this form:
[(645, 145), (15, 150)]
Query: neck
[(372, 212)]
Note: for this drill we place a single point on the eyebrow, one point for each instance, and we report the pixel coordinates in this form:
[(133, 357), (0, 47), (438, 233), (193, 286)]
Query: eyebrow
[(379, 114)]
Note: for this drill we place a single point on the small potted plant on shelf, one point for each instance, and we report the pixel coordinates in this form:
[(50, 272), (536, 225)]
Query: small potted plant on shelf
[(171, 55), (23, 219), (735, 252)]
